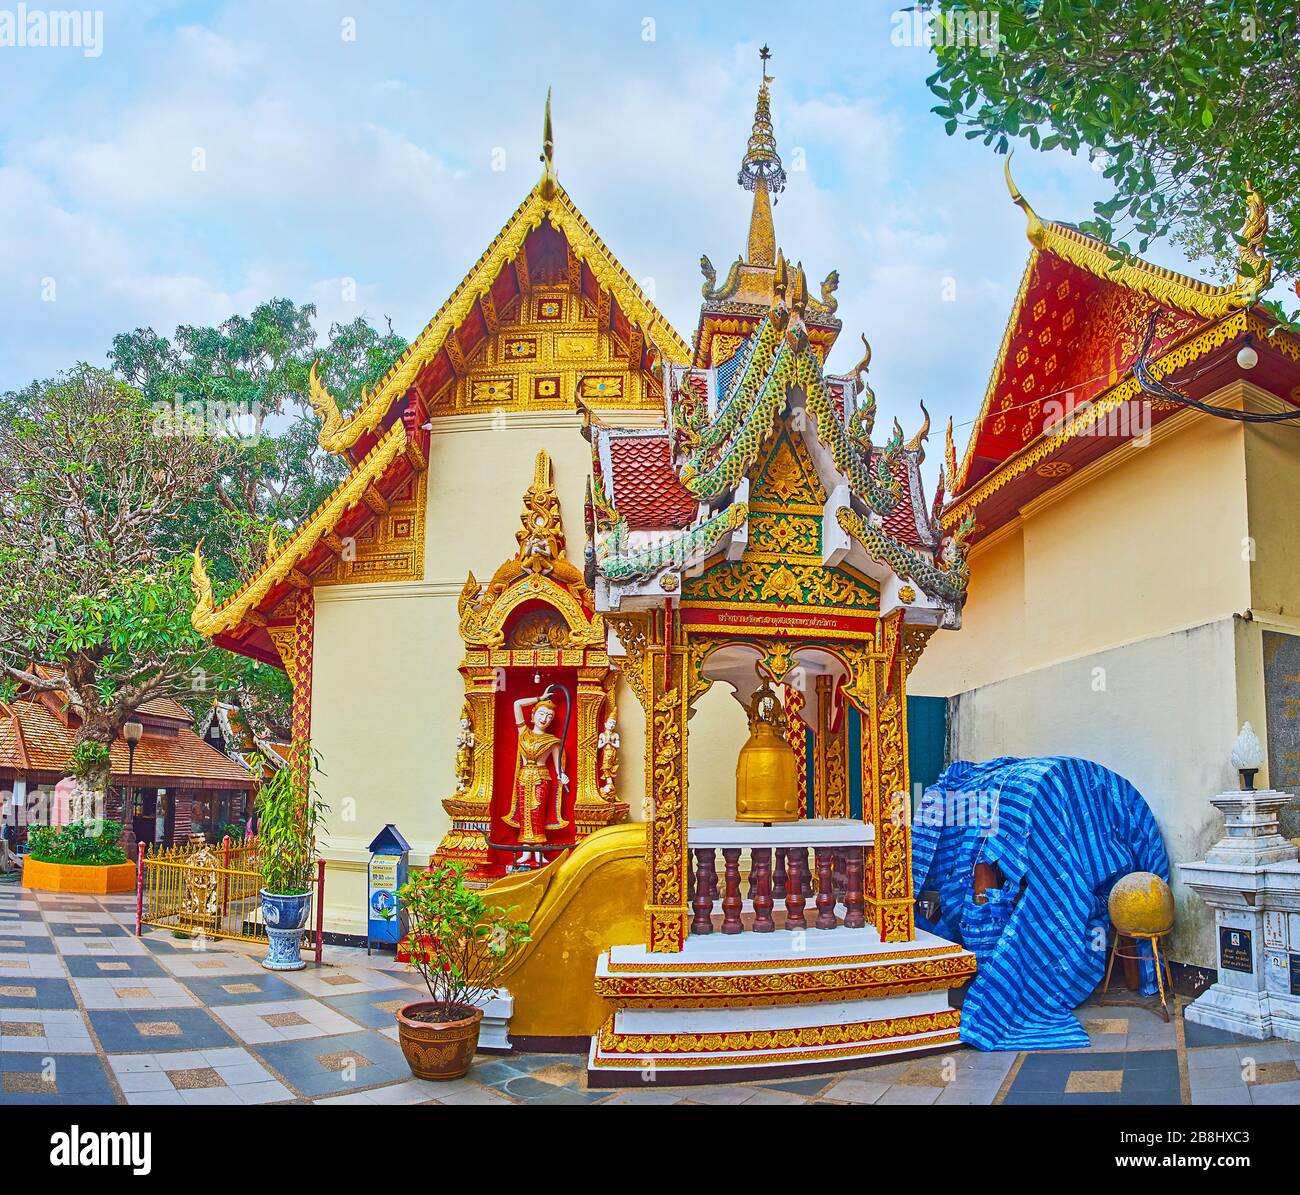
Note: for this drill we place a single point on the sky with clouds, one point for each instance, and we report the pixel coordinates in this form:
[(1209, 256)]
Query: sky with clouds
[(352, 156)]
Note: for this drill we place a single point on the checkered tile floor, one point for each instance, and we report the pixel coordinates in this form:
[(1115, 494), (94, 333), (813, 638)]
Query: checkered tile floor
[(89, 1014)]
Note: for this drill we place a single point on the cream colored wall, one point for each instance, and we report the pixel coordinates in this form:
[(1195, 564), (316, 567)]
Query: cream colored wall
[(718, 730), (386, 692), (1141, 710), (1142, 543), (1139, 566)]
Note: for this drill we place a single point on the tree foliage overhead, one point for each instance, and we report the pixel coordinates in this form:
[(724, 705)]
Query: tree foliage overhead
[(246, 381), (95, 502), (108, 482), (1182, 102)]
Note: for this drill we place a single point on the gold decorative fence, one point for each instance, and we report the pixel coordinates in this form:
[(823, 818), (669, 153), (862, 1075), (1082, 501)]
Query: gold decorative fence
[(203, 889)]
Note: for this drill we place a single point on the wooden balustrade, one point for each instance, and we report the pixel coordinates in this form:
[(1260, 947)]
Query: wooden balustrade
[(824, 869)]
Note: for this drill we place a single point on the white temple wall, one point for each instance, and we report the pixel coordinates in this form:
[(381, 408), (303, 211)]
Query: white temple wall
[(1165, 720)]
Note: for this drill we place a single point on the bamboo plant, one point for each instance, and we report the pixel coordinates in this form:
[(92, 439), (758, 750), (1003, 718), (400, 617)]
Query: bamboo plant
[(289, 817)]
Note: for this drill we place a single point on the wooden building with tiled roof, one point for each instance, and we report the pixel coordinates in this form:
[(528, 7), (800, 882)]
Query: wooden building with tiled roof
[(176, 783)]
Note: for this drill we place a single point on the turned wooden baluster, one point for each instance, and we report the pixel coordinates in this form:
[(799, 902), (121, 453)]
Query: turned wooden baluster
[(778, 874), (825, 891), (706, 882), (731, 902), (760, 869), (854, 901), (794, 891)]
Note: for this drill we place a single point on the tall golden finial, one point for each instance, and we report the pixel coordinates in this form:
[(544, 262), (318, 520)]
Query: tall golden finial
[(549, 181), (1033, 225), (762, 173)]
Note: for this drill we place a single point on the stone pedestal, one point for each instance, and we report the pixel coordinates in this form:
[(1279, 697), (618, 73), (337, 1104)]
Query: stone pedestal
[(494, 1032), (1251, 878)]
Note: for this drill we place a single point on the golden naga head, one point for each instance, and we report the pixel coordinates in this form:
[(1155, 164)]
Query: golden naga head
[(324, 404), (205, 605), (1258, 275)]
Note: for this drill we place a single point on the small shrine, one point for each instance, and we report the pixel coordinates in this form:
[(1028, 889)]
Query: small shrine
[(763, 540), (537, 747)]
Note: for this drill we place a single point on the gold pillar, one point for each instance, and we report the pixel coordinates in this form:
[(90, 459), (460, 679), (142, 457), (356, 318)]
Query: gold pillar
[(665, 679), (894, 904), (830, 758)]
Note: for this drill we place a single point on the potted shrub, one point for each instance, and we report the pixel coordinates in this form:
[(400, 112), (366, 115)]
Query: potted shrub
[(289, 816), (80, 857), (460, 945)]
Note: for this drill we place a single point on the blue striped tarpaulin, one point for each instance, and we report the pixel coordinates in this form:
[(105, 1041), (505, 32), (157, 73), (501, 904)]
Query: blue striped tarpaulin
[(1066, 829)]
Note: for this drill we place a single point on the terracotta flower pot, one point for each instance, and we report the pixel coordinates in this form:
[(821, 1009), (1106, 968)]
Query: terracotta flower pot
[(438, 1049)]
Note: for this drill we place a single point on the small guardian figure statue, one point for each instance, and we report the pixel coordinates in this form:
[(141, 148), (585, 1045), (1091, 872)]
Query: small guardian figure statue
[(535, 807)]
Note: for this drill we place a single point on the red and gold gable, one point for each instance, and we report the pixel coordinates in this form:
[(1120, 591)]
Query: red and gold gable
[(1072, 335)]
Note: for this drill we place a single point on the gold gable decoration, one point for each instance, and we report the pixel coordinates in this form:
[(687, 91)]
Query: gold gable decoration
[(547, 201), (389, 548)]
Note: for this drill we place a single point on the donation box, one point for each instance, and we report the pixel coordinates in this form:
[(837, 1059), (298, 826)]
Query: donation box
[(385, 875)]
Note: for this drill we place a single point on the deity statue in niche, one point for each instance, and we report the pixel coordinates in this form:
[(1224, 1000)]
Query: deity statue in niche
[(464, 751), (540, 779)]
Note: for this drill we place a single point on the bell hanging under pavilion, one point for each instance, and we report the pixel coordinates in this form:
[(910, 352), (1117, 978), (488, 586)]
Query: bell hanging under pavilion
[(767, 787)]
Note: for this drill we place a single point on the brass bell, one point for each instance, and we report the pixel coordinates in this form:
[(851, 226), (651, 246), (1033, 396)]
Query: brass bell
[(767, 788)]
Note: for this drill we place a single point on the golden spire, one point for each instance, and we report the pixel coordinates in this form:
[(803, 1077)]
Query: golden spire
[(762, 173), (1033, 225), (549, 180)]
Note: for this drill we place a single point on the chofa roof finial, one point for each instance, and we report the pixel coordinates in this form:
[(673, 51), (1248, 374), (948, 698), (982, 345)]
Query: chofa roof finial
[(549, 179), (1034, 228)]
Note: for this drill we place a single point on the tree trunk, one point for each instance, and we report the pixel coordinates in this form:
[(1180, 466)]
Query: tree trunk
[(90, 801), (91, 797)]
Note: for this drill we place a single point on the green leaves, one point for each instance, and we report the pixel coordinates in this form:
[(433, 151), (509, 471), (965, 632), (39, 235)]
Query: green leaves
[(1189, 98), (88, 844), (460, 944), (289, 817)]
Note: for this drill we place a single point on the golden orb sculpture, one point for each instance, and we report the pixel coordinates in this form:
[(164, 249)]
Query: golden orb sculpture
[(1141, 904)]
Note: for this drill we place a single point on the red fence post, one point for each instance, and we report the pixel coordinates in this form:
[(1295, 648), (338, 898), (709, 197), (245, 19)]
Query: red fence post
[(320, 907), (139, 887)]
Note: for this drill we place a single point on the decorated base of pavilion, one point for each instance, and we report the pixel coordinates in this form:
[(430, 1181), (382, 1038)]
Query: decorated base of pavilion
[(759, 1005)]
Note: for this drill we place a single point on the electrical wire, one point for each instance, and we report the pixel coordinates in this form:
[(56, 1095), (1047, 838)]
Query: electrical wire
[(1157, 389)]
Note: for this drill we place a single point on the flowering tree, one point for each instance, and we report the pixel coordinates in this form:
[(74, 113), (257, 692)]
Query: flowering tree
[(93, 558)]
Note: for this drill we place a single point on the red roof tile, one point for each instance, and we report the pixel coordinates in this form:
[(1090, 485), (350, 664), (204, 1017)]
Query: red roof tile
[(646, 491), (900, 523)]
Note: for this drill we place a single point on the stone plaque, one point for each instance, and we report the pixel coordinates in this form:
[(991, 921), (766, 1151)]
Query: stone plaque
[(1235, 952), (1282, 703), (1295, 975), (1275, 929)]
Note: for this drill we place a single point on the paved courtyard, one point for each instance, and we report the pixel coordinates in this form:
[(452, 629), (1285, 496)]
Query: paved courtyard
[(90, 1014)]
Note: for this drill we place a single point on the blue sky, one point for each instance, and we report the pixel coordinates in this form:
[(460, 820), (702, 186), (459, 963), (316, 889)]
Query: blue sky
[(331, 158)]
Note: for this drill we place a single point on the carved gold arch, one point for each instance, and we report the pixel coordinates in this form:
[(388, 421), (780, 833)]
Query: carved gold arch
[(487, 627), (664, 665)]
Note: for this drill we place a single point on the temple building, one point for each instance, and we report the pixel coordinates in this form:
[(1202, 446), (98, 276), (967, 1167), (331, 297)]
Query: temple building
[(172, 786), (595, 606), (1135, 574)]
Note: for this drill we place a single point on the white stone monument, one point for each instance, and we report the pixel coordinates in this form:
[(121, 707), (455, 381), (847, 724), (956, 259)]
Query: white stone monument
[(1251, 878)]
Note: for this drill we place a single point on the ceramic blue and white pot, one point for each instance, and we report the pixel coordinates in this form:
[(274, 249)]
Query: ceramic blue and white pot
[(285, 915)]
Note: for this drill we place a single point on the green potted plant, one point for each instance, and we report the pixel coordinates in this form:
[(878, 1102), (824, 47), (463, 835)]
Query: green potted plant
[(79, 857), (460, 945), (289, 812)]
